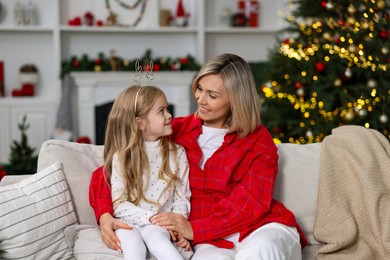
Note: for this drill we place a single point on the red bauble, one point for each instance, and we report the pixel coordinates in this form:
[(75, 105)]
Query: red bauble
[(298, 85), (337, 41), (384, 34), (156, 67), (75, 63), (98, 61), (320, 67), (276, 130), (83, 140), (323, 4), (184, 60), (341, 22)]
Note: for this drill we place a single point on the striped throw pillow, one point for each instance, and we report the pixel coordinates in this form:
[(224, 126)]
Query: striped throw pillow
[(33, 215)]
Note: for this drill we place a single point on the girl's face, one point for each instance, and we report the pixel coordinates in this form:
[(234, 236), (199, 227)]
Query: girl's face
[(213, 102), (158, 121)]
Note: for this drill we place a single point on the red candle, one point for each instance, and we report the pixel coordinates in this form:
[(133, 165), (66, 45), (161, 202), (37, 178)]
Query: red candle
[(2, 81)]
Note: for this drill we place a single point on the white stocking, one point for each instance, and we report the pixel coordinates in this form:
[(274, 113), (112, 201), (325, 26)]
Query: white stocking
[(158, 241), (132, 244)]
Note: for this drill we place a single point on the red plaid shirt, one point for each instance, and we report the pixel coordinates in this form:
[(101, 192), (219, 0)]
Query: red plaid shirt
[(233, 193)]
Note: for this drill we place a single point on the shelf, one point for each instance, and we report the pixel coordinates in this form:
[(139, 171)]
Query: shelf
[(240, 30), (94, 29), (26, 29), (26, 101)]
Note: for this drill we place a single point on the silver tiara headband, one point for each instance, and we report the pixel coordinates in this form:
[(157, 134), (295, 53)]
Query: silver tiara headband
[(138, 76)]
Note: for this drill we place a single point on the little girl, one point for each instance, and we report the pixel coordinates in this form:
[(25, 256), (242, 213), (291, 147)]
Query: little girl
[(148, 172)]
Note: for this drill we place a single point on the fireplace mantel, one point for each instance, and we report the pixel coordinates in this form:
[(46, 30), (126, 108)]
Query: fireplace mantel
[(93, 89)]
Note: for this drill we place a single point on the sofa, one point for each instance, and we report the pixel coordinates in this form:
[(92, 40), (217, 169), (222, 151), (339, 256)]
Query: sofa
[(72, 163)]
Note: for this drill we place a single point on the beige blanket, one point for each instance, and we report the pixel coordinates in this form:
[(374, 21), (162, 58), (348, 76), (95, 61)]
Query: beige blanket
[(353, 210)]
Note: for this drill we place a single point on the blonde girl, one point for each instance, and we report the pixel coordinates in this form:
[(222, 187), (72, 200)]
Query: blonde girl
[(148, 172)]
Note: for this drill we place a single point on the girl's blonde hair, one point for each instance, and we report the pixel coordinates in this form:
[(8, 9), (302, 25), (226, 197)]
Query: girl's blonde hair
[(241, 90), (124, 137)]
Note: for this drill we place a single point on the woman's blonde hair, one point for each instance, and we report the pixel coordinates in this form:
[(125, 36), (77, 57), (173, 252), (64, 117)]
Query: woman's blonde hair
[(240, 86), (124, 137)]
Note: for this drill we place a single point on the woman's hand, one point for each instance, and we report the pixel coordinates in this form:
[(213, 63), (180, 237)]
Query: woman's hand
[(107, 226), (175, 222)]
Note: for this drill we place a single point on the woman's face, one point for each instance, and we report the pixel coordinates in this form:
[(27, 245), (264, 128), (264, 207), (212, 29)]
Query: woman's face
[(213, 102)]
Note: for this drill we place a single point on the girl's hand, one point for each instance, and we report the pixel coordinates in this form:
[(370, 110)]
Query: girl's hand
[(174, 235), (175, 222), (107, 226), (182, 242)]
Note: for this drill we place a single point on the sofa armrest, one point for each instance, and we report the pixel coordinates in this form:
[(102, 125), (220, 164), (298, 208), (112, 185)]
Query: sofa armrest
[(11, 179)]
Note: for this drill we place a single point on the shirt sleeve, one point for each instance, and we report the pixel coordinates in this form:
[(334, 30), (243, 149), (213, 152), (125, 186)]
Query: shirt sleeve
[(100, 193), (128, 212), (249, 200), (182, 194)]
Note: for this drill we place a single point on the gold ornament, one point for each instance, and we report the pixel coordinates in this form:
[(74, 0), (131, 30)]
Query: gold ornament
[(365, 24), (362, 112), (126, 62), (327, 36), (352, 48), (383, 119), (97, 68), (351, 9), (381, 4), (329, 6), (372, 83), (300, 92), (338, 83), (351, 20), (348, 73), (349, 116)]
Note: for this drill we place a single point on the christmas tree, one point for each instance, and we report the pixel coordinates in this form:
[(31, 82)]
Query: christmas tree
[(330, 68), (22, 159)]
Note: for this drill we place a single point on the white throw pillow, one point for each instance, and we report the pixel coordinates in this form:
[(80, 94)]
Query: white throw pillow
[(33, 215)]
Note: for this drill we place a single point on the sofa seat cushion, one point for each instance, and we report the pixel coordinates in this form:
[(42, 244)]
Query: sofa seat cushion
[(33, 215)]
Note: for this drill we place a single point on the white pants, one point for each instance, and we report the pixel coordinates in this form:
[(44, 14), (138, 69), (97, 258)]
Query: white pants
[(269, 242), (156, 239)]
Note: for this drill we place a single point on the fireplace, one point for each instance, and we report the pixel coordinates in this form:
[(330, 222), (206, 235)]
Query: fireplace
[(101, 115), (96, 91)]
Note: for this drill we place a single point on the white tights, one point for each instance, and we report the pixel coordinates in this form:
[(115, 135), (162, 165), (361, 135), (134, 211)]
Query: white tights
[(154, 238), (269, 242)]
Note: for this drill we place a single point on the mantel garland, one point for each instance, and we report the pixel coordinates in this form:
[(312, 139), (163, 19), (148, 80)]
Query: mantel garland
[(115, 63)]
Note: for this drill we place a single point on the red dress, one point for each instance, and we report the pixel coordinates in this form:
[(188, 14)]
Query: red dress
[(233, 193)]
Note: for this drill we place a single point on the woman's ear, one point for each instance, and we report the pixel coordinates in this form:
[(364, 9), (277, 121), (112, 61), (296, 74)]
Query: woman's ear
[(140, 123)]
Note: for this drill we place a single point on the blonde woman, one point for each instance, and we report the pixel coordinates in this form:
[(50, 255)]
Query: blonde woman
[(233, 165), (148, 172)]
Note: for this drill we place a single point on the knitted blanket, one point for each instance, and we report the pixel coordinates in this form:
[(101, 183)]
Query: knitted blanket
[(353, 207)]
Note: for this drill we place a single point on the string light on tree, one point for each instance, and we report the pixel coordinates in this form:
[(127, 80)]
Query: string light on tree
[(337, 60)]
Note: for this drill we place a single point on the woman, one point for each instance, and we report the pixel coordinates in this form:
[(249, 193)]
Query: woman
[(233, 166)]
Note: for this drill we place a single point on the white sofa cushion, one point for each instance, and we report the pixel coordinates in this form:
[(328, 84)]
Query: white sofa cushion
[(78, 162), (33, 215), (297, 183)]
